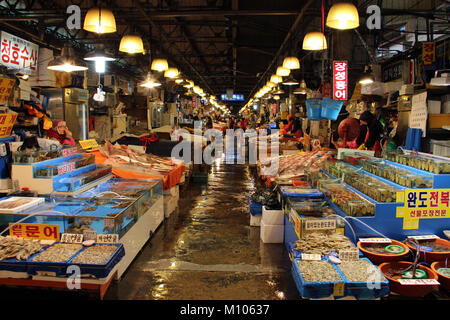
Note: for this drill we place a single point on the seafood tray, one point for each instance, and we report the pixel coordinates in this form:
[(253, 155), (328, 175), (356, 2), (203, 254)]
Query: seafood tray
[(420, 161), (17, 204), (12, 264), (316, 289), (53, 169), (405, 177), (38, 156), (255, 208), (59, 269), (101, 270), (363, 280)]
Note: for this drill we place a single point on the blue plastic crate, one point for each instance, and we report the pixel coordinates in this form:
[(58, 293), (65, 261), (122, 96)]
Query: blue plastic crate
[(14, 265), (360, 290), (312, 290), (255, 208), (290, 192), (101, 270)]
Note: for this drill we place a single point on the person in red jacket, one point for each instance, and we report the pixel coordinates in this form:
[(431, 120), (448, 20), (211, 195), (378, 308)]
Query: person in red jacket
[(60, 132)]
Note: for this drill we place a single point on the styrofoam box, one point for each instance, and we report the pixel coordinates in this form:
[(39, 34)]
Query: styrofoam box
[(440, 147), (434, 107), (271, 233), (445, 107), (174, 191), (272, 217), (255, 220)]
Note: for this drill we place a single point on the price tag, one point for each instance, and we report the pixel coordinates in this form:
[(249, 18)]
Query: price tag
[(72, 238), (107, 238), (320, 224), (69, 152), (338, 289), (375, 240), (311, 257), (66, 168), (425, 237), (3, 150), (349, 255), (89, 235), (430, 282)]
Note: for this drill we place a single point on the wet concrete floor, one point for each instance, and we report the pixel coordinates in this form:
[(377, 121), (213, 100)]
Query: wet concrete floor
[(207, 250)]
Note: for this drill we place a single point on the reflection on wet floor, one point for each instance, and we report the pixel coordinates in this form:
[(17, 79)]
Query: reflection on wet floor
[(207, 250)]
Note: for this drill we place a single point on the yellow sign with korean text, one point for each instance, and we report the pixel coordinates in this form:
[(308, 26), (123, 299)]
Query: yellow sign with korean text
[(422, 204), (428, 53), (6, 124), (6, 86), (89, 144), (35, 231)]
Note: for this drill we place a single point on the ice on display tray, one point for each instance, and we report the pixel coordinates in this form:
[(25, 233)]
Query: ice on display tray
[(18, 204)]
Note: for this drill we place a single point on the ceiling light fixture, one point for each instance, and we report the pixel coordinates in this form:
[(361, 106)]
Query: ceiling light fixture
[(290, 81), (131, 44), (100, 57), (283, 72), (343, 16), (314, 41), (100, 21), (302, 89), (171, 73), (291, 63), (67, 61), (160, 65), (150, 82), (276, 79), (367, 77)]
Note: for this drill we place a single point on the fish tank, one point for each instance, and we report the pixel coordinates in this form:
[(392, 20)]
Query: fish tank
[(100, 211), (42, 155), (55, 168), (404, 177), (348, 200), (421, 161), (74, 181)]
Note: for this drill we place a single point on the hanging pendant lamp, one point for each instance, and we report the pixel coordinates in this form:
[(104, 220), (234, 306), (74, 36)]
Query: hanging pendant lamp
[(276, 79), (160, 65), (367, 77), (283, 72), (291, 63), (290, 81), (171, 73), (131, 44), (150, 82), (343, 16), (100, 57), (100, 21), (314, 41), (302, 89), (67, 61)]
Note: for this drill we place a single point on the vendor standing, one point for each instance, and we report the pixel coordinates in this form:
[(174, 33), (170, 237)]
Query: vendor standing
[(294, 127), (370, 133), (60, 132)]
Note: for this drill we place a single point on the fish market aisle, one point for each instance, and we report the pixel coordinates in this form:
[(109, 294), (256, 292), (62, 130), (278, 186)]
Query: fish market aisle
[(207, 250)]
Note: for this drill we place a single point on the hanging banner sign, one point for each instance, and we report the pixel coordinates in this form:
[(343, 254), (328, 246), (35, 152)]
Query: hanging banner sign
[(6, 124), (194, 102), (18, 54), (340, 80), (422, 204), (428, 53)]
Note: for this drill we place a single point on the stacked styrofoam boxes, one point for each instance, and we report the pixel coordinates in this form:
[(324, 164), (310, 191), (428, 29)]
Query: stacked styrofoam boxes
[(446, 104), (171, 198), (272, 226)]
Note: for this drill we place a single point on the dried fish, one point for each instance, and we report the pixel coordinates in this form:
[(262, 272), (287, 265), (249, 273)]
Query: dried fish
[(314, 271), (60, 252), (21, 249), (321, 243), (360, 271), (97, 254)]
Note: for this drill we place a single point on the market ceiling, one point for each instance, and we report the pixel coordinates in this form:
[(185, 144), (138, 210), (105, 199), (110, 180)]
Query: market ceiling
[(218, 44)]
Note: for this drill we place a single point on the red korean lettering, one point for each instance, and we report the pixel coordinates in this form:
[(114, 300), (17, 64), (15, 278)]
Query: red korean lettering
[(432, 212), (24, 56), (15, 54), (3, 131), (51, 232), (16, 231), (434, 199), (425, 212), (418, 214), (412, 214), (32, 231), (445, 198), (428, 46), (6, 50), (33, 60), (443, 213), (2, 119)]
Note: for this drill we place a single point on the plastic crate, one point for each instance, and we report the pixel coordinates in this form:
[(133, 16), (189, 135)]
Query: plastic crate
[(366, 290), (255, 208), (312, 290), (101, 270)]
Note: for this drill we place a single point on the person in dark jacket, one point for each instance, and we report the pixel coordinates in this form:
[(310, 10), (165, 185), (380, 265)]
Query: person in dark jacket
[(371, 131)]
